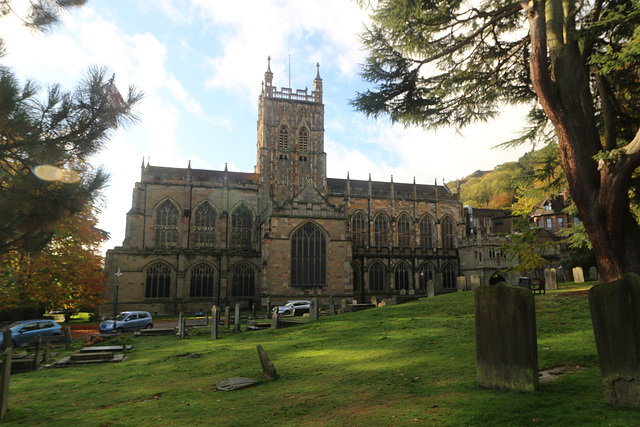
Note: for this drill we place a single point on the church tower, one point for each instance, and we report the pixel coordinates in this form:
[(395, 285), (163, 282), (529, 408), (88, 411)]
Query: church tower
[(290, 139)]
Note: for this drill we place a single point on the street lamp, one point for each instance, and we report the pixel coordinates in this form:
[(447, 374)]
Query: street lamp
[(115, 303)]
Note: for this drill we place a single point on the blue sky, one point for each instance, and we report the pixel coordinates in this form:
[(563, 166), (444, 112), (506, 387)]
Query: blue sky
[(201, 63)]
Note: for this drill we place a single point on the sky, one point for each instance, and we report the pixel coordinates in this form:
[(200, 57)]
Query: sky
[(201, 64)]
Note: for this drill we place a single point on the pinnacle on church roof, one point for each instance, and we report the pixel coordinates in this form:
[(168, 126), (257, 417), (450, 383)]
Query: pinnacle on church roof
[(269, 64), (318, 68)]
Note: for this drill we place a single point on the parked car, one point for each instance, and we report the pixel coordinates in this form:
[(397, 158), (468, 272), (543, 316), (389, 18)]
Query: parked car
[(24, 331), (295, 307), (127, 321)]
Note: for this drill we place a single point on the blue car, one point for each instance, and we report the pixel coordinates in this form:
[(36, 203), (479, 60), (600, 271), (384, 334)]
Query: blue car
[(24, 331), (127, 321)]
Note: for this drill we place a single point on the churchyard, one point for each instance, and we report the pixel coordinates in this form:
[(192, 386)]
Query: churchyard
[(409, 364)]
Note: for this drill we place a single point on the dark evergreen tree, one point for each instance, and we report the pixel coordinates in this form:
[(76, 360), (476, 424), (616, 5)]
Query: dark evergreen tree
[(576, 63)]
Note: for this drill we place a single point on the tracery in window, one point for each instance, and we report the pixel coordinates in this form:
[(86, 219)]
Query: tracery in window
[(448, 233), (166, 225), (402, 277), (427, 272), (283, 138), (381, 230), (241, 224), (205, 226), (309, 256), (377, 277), (426, 232), (404, 231), (449, 277), (158, 281), (359, 229), (203, 281), (243, 282), (303, 140)]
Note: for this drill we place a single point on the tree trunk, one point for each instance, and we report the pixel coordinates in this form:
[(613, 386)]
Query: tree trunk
[(600, 190)]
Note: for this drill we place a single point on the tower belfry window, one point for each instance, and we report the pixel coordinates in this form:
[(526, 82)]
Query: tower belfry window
[(283, 139), (303, 140)]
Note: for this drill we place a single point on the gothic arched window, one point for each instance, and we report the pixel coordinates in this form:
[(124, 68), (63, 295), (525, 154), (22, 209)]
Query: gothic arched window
[(205, 226), (377, 277), (381, 230), (303, 140), (243, 282), (283, 138), (158, 281), (426, 232), (448, 233), (167, 225), (308, 256), (427, 272), (402, 277), (449, 277), (203, 281), (359, 229), (404, 232), (241, 224)]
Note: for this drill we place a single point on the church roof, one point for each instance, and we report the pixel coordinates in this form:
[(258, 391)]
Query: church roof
[(159, 174), (338, 186)]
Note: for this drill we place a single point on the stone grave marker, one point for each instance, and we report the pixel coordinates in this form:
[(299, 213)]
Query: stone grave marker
[(313, 310), (593, 273), (268, 306), (236, 323), (561, 275), (253, 309), (578, 275), (412, 292), (215, 322), (226, 317), (615, 314), (506, 343), (461, 283), (551, 278), (332, 307), (235, 383), (403, 292), (5, 377), (431, 288), (275, 323), (474, 281), (206, 317), (268, 370)]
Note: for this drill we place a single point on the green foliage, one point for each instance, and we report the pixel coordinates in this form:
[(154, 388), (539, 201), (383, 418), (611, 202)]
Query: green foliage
[(412, 364)]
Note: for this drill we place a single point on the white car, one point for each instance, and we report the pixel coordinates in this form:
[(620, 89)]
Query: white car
[(295, 307)]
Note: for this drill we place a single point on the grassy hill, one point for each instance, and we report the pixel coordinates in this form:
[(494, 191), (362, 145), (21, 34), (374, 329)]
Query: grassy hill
[(412, 364)]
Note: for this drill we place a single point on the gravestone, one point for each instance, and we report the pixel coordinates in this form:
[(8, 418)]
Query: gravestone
[(275, 323), (474, 281), (268, 306), (431, 288), (343, 304), (403, 292), (215, 322), (180, 332), (253, 309), (550, 278), (374, 301), (561, 275), (313, 309), (268, 370), (412, 292), (236, 323), (461, 283), (615, 314), (593, 273), (5, 377), (226, 317), (332, 307), (206, 317), (578, 275), (235, 383), (67, 338), (506, 343)]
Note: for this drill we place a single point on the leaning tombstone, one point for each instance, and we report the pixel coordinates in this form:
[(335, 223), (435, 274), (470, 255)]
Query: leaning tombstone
[(551, 281), (506, 343), (578, 275), (226, 317), (593, 273), (615, 309), (313, 310), (268, 370), (431, 288), (236, 323), (215, 320), (474, 281)]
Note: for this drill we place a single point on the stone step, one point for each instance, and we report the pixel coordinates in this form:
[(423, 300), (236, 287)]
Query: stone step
[(110, 348), (102, 355), (156, 331)]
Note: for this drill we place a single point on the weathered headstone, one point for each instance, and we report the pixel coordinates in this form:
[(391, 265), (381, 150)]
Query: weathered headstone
[(37, 355), (506, 343), (343, 304), (403, 292), (206, 317), (461, 283), (236, 323), (474, 281), (551, 278), (268, 370), (578, 275), (180, 333), (67, 338), (226, 317), (561, 275), (183, 327), (332, 306), (593, 273), (253, 309), (374, 301), (313, 310), (234, 383), (615, 314), (431, 288), (215, 321), (5, 377), (412, 292), (275, 321), (268, 306)]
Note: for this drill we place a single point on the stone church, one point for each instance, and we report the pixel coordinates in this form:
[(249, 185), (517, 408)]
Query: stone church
[(195, 238)]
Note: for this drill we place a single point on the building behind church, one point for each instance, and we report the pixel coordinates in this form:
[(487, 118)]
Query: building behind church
[(195, 238)]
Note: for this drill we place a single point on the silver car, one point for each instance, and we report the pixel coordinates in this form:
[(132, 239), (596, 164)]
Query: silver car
[(127, 321), (294, 307)]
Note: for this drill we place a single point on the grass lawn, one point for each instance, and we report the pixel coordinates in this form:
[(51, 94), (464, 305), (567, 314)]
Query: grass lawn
[(412, 364)]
